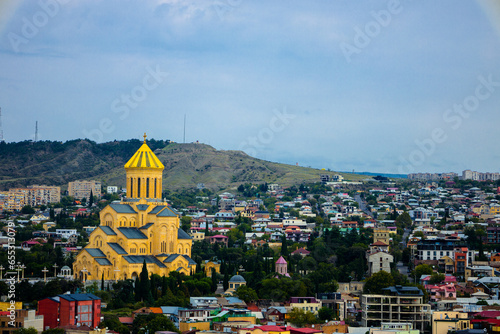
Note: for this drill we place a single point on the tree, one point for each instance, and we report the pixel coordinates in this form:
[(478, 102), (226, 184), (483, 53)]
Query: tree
[(377, 282), (246, 294), (326, 314), (436, 278), (299, 317), (31, 330), (91, 199), (421, 269), (27, 210)]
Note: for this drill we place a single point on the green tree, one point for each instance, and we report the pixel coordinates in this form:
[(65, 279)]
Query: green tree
[(436, 278), (378, 281), (326, 314), (246, 294), (30, 330), (299, 317), (421, 269), (58, 331), (27, 210)]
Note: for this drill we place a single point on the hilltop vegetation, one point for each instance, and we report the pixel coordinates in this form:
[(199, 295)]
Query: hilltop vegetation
[(57, 163)]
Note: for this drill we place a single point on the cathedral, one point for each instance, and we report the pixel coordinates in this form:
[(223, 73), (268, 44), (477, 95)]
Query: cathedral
[(141, 228)]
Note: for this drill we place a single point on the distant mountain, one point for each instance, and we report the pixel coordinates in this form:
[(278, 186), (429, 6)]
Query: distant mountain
[(186, 165)]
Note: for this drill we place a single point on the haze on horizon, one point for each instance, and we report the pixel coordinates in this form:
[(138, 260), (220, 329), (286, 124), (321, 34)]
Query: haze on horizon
[(386, 86)]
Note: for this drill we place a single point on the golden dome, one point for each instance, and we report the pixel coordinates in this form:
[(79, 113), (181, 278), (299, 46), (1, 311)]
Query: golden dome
[(144, 158)]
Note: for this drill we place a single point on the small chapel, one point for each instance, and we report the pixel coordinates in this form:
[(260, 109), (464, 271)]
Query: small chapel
[(140, 228)]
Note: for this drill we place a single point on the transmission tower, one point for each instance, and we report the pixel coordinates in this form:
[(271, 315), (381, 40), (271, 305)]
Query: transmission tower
[(36, 131)]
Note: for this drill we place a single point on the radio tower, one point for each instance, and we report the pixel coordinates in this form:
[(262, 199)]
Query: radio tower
[(1, 130), (36, 131)]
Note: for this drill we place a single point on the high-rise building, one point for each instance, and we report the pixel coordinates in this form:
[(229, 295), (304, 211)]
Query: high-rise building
[(83, 189), (141, 228)]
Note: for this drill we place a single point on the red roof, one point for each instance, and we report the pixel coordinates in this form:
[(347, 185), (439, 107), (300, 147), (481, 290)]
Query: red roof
[(281, 260), (301, 251), (379, 243)]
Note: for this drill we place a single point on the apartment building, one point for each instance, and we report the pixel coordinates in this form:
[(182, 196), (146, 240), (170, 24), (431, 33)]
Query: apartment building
[(397, 304), (82, 189)]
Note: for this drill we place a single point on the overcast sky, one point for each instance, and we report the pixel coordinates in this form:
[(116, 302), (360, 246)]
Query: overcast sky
[(380, 86)]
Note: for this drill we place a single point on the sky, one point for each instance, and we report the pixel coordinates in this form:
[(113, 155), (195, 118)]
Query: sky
[(394, 86)]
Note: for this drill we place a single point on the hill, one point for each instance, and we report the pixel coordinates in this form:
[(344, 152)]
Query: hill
[(186, 165)]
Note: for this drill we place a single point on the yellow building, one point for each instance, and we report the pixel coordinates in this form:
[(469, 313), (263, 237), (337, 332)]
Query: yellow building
[(211, 265), (443, 322), (381, 234), (141, 228)]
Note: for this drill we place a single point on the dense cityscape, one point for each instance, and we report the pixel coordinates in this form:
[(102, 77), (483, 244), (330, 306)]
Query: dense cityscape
[(380, 255)]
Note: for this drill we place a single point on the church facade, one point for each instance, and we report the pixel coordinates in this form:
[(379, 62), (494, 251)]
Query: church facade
[(141, 228)]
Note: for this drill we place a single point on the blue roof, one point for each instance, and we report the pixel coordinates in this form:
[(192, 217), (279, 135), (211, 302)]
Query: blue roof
[(132, 233), (157, 209), (103, 261), (190, 260), (170, 309), (141, 258), (117, 248), (95, 252), (168, 212), (404, 290), (108, 230), (79, 296), (171, 257), (142, 207), (181, 234), (145, 227), (122, 208)]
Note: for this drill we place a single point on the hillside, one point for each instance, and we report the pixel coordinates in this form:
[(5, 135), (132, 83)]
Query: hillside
[(57, 163)]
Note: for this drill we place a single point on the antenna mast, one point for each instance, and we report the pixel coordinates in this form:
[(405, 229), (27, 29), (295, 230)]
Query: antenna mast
[(1, 130), (184, 128), (36, 131)]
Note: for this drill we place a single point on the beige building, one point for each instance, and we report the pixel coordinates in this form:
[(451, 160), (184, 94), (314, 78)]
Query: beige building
[(442, 322), (381, 234), (398, 304), (82, 189), (23, 319), (394, 328)]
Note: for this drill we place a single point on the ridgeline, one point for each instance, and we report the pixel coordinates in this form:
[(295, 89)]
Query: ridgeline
[(57, 163)]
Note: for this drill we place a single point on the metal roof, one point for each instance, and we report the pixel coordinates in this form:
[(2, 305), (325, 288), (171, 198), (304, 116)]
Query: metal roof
[(117, 248), (145, 227), (181, 234), (157, 209), (95, 252), (170, 258), (142, 207), (132, 233), (190, 260), (168, 212), (103, 261), (79, 296), (122, 208), (108, 230), (141, 258)]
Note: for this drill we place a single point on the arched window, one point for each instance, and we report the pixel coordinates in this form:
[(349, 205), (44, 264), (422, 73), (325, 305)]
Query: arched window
[(147, 188), (138, 187)]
